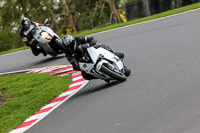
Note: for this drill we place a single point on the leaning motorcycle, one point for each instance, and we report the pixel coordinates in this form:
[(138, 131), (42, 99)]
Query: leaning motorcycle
[(103, 64), (48, 40)]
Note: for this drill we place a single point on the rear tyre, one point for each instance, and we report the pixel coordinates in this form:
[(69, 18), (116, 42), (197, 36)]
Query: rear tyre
[(118, 76)]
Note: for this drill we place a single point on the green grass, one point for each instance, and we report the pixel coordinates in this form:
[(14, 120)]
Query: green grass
[(164, 14), (29, 93)]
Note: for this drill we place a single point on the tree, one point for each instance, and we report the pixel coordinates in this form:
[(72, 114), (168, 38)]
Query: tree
[(112, 6), (69, 9), (63, 14)]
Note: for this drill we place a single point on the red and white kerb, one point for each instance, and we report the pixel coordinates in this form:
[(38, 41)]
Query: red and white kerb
[(77, 83)]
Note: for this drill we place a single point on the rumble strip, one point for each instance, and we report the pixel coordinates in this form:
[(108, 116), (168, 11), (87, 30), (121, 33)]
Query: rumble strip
[(78, 82)]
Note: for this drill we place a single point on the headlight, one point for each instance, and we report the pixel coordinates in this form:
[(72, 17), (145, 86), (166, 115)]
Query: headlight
[(46, 35)]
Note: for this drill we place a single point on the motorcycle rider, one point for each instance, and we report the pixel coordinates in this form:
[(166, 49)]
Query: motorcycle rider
[(27, 38), (75, 48)]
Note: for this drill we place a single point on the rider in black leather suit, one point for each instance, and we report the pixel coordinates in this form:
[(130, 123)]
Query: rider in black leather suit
[(75, 50), (27, 38)]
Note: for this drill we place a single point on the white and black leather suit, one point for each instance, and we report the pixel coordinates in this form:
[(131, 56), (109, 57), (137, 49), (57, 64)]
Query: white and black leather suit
[(27, 38)]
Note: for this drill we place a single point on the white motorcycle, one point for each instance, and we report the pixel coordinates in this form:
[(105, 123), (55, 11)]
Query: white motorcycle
[(48, 40), (103, 64)]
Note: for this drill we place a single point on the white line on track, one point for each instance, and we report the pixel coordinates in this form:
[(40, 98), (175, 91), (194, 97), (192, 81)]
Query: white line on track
[(14, 52)]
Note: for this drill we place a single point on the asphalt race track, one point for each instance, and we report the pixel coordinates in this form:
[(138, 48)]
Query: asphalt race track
[(26, 60), (162, 95)]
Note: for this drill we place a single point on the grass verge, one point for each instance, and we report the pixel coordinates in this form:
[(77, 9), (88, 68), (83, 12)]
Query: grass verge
[(88, 32), (25, 94)]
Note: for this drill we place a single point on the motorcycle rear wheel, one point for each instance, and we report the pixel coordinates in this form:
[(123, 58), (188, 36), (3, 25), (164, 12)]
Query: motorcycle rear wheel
[(118, 76)]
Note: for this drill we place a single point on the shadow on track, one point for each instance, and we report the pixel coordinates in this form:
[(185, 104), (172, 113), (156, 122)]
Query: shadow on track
[(95, 88)]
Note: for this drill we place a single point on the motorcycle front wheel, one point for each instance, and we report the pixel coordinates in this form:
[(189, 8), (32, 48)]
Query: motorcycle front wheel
[(118, 76)]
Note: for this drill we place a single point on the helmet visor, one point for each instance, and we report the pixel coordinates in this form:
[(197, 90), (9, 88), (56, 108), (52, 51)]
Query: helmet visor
[(26, 26)]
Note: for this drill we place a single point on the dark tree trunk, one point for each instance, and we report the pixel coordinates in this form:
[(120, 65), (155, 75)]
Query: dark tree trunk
[(165, 5), (70, 13), (113, 8)]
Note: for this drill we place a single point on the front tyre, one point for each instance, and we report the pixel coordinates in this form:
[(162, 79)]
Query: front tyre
[(118, 76), (127, 71)]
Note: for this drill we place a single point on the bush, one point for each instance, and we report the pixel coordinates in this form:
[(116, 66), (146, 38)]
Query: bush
[(9, 40)]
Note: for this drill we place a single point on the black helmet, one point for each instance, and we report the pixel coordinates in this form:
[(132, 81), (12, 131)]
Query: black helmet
[(25, 22), (69, 43)]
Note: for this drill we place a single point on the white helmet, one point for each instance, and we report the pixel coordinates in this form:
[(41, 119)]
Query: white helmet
[(69, 42)]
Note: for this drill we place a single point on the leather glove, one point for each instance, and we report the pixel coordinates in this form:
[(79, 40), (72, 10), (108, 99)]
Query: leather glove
[(92, 41)]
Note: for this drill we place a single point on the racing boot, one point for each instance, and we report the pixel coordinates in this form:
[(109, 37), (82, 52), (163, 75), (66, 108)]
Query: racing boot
[(43, 52), (107, 81)]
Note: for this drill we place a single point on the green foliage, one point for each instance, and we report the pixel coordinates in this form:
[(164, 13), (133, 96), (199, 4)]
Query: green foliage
[(10, 14), (89, 14), (10, 17), (95, 13), (29, 92), (9, 40), (4, 41)]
